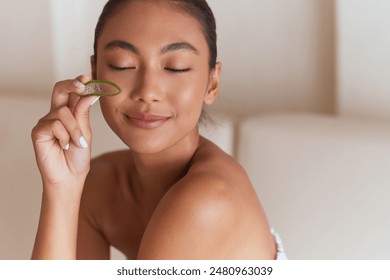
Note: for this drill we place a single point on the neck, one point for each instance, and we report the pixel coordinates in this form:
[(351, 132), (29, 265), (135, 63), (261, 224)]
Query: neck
[(156, 173)]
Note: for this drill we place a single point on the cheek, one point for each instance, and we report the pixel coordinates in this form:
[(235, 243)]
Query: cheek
[(108, 104), (109, 107), (188, 103), (187, 92)]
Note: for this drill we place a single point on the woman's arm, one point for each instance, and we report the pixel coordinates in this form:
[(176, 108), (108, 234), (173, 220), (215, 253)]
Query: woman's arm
[(57, 229), (62, 141)]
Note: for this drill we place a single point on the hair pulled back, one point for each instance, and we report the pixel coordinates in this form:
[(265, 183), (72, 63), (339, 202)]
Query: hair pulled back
[(199, 9)]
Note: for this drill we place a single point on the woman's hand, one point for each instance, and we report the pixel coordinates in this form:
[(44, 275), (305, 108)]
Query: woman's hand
[(62, 141), (62, 138)]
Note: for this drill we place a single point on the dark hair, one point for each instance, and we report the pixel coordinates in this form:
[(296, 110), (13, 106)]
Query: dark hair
[(199, 9)]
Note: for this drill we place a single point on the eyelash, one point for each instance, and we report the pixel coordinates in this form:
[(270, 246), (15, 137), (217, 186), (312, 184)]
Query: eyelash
[(116, 68), (178, 70)]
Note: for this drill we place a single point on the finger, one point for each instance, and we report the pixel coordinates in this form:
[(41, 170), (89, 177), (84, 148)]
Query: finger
[(72, 126), (62, 90), (51, 130), (73, 98), (81, 114), (61, 134), (84, 78), (66, 118)]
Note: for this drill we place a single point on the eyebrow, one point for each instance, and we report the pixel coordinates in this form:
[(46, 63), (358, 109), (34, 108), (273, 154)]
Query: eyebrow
[(179, 46), (118, 44)]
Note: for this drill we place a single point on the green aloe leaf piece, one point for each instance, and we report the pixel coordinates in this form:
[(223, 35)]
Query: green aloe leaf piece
[(100, 88)]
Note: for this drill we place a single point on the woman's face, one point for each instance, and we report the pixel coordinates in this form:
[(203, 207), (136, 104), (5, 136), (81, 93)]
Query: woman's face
[(159, 57)]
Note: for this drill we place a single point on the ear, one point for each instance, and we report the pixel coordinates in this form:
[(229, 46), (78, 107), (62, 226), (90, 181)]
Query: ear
[(213, 86), (93, 67)]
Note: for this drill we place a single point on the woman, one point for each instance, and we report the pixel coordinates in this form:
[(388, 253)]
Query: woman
[(173, 194)]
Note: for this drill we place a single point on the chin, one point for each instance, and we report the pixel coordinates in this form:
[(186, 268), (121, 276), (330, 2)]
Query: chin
[(148, 143), (146, 147)]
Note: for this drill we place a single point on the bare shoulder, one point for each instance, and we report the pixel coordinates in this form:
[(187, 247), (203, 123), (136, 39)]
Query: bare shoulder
[(217, 178), (213, 212), (211, 161)]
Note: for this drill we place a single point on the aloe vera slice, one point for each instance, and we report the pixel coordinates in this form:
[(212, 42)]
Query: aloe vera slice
[(100, 88)]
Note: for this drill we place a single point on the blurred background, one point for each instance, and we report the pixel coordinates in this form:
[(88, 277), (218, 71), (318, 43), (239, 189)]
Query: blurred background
[(289, 67)]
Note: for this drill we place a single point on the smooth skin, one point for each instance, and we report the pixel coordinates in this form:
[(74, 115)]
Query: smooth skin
[(173, 194)]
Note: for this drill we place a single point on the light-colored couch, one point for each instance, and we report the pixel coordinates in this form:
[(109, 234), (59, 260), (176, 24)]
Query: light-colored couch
[(323, 181)]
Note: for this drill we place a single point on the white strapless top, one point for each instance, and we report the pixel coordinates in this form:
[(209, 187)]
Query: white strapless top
[(280, 254)]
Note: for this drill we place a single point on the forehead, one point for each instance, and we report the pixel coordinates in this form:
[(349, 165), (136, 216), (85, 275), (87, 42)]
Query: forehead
[(153, 24)]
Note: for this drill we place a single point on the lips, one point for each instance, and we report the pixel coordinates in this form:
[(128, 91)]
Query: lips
[(144, 120)]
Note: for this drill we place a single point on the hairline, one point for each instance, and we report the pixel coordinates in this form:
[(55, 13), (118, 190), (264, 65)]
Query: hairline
[(179, 6)]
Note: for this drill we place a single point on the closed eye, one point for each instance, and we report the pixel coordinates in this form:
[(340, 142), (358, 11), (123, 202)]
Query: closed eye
[(177, 70), (118, 68)]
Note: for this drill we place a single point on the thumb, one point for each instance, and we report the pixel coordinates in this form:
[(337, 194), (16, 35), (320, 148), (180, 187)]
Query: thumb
[(81, 114)]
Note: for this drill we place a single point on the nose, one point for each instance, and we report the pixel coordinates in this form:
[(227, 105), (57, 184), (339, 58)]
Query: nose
[(147, 88)]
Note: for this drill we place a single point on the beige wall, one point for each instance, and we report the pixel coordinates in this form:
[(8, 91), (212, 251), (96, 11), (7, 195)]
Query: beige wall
[(363, 58), (26, 47), (73, 39)]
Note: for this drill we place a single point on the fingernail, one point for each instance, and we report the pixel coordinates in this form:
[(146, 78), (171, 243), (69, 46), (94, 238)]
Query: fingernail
[(66, 148), (84, 76), (95, 100), (79, 85), (83, 142)]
